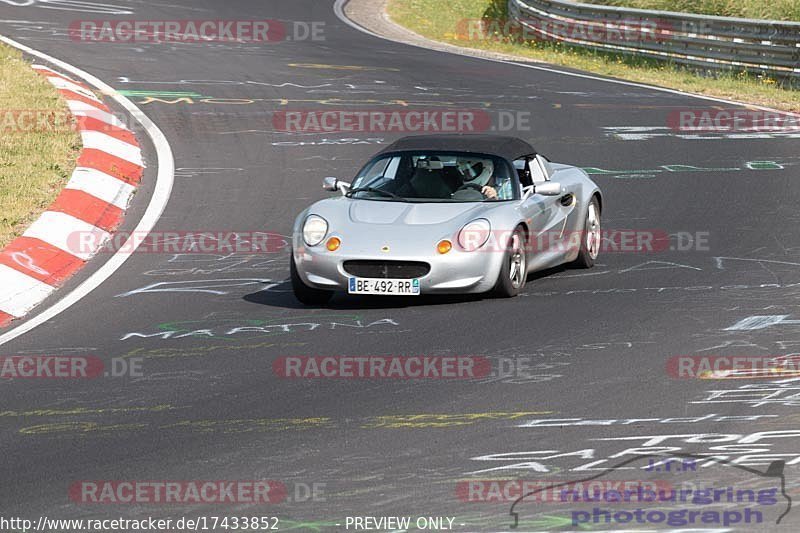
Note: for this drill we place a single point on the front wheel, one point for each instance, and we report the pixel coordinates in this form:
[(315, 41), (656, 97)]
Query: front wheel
[(590, 240), (514, 271), (307, 295)]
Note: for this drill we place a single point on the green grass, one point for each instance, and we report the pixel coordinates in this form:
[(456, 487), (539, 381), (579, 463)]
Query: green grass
[(35, 163), (444, 21), (755, 9)]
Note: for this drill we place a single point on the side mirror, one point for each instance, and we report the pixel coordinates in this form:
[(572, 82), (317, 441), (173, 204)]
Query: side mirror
[(333, 184), (548, 188), (330, 183)]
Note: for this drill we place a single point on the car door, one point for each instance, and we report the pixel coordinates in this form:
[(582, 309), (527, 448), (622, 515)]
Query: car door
[(547, 214), (569, 211)]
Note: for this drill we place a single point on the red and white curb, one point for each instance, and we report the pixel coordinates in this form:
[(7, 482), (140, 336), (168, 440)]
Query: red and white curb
[(108, 169)]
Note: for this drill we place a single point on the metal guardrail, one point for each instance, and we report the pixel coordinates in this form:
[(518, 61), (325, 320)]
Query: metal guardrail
[(760, 46)]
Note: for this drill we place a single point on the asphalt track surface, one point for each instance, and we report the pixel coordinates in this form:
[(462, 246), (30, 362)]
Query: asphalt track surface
[(210, 407)]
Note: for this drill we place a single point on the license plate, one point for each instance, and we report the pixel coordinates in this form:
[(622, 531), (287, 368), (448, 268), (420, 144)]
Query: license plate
[(386, 287)]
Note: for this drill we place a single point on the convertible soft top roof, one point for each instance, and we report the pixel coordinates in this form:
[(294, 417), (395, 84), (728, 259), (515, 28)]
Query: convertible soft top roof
[(510, 148)]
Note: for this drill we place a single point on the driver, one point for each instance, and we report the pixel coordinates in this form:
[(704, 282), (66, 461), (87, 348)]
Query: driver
[(483, 181)]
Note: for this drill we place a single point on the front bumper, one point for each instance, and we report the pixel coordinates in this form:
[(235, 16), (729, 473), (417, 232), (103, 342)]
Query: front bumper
[(455, 272)]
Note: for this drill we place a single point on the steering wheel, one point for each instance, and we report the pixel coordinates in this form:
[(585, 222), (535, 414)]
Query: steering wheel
[(474, 186)]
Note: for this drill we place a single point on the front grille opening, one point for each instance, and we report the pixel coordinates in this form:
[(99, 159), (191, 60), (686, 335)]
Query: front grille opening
[(386, 269)]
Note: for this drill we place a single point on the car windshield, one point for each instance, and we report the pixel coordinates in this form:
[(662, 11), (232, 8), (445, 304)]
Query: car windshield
[(434, 177)]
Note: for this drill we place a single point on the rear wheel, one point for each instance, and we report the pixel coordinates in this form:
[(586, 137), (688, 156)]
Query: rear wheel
[(513, 272), (307, 295), (590, 240)]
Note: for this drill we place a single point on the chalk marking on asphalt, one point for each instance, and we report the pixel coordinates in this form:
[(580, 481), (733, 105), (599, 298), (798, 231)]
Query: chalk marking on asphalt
[(79, 427), (202, 350), (326, 66), (247, 425), (86, 411), (265, 425), (441, 420), (158, 201)]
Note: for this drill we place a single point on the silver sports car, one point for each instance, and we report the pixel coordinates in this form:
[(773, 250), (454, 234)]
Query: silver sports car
[(446, 214)]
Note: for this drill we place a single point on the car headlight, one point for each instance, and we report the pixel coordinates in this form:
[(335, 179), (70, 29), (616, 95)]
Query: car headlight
[(314, 230), (474, 235)]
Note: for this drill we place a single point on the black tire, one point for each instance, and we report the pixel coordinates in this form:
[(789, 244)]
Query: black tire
[(586, 256), (508, 286), (307, 295)]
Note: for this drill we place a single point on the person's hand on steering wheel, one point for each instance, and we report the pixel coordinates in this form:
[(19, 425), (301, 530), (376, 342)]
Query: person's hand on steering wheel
[(489, 192)]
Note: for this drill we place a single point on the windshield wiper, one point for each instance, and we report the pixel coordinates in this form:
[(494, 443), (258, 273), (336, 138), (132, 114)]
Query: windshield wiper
[(351, 192)]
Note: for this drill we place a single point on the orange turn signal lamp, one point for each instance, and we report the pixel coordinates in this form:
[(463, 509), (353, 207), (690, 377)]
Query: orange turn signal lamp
[(333, 244)]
